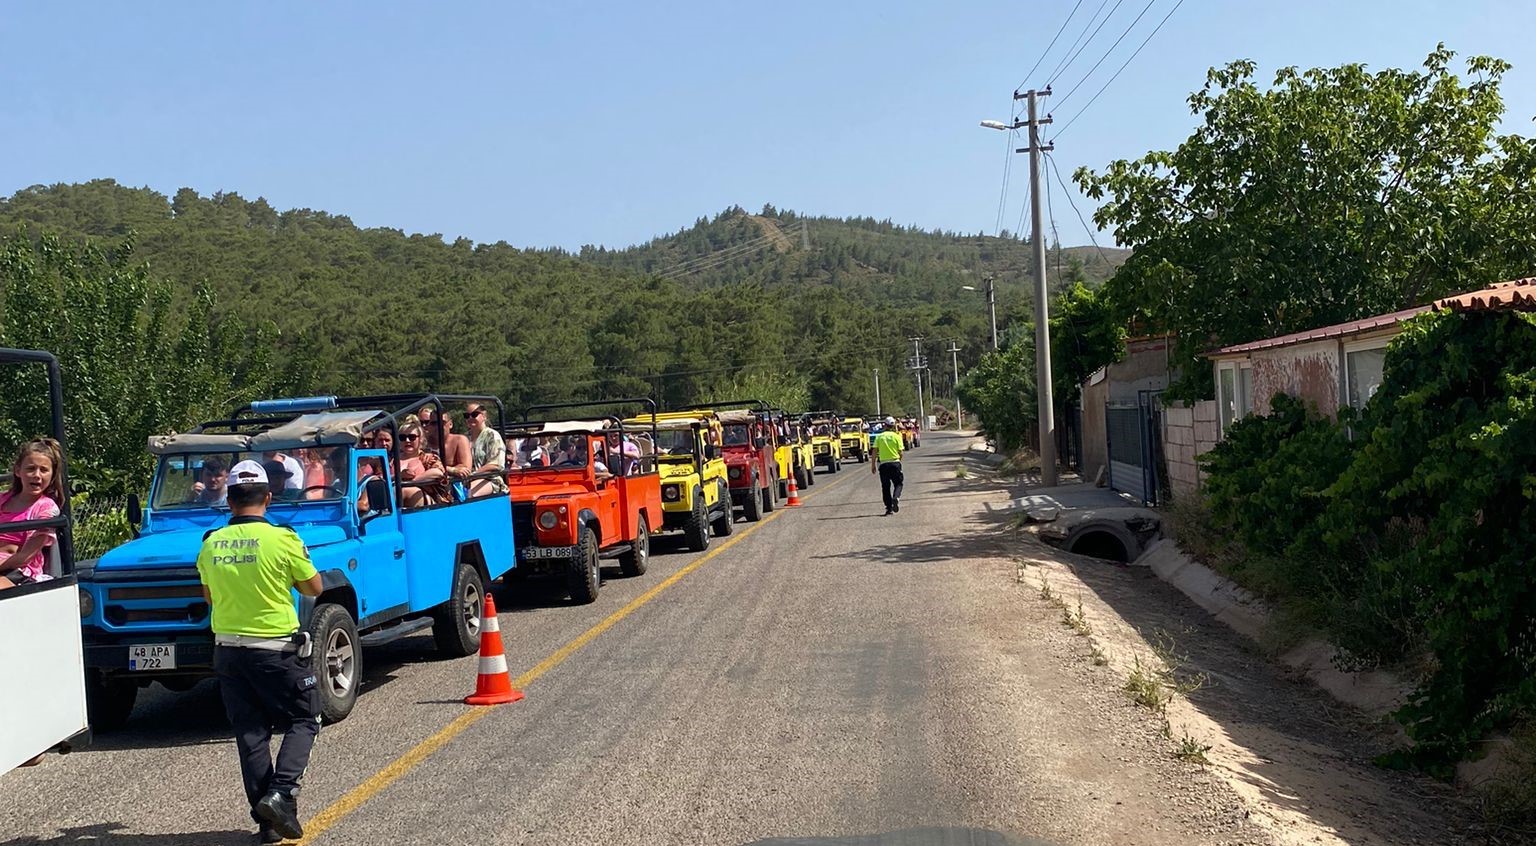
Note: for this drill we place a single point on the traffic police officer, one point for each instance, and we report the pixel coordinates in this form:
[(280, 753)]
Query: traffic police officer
[(261, 658), (887, 449)]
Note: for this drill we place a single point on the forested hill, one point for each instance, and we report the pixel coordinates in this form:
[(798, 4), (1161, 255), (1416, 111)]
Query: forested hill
[(761, 303), (775, 247)]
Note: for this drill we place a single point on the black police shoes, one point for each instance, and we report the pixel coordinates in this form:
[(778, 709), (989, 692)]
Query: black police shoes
[(282, 813), (266, 835)]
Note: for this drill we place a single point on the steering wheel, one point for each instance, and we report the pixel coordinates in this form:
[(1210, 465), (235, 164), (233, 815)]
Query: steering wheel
[(326, 488)]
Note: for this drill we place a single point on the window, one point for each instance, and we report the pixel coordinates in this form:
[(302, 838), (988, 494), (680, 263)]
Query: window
[(1234, 392), (1226, 395), (1362, 371)]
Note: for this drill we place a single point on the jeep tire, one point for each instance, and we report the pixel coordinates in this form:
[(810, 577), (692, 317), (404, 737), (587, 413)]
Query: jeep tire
[(752, 503), (638, 558), (586, 575), (337, 660), (696, 531), (726, 522), (456, 623), (770, 496), (108, 701)]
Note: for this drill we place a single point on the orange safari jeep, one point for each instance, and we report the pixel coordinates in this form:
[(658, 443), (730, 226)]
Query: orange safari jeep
[(582, 491)]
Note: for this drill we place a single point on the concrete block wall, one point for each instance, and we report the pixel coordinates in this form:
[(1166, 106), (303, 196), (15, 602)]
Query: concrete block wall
[(1188, 431)]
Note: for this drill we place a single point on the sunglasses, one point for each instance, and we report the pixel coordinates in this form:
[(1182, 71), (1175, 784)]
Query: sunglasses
[(473, 413), (409, 438)]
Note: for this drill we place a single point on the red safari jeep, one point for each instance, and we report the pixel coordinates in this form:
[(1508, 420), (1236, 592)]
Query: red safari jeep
[(582, 491), (751, 455)]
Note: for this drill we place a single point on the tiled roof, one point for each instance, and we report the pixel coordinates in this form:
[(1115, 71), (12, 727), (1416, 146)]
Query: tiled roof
[(1516, 295), (1353, 327)]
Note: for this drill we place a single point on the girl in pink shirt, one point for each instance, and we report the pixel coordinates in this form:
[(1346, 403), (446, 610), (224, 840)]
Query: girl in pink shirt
[(34, 495)]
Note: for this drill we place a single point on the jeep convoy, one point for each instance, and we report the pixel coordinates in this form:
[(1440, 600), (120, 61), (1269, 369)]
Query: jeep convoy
[(398, 554)]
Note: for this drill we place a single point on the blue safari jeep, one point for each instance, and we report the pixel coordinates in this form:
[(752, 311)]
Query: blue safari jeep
[(393, 560)]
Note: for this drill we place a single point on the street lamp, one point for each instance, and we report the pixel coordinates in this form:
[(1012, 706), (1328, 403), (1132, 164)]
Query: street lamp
[(991, 305)]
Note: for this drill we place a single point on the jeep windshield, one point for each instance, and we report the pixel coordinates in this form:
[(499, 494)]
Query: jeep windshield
[(542, 452), (852, 427), (738, 435), (674, 442), (201, 479)]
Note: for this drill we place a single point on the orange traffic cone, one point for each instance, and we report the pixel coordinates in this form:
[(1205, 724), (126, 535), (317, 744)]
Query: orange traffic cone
[(794, 493), (494, 686)]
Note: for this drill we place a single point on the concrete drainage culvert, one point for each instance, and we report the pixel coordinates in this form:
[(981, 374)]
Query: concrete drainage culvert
[(1111, 534)]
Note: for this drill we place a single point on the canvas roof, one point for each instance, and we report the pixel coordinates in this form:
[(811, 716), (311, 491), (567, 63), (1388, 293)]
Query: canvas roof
[(560, 427), (306, 430)]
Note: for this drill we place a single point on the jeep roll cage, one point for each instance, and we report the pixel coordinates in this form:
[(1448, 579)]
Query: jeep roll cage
[(63, 522), (528, 426), (262, 415)]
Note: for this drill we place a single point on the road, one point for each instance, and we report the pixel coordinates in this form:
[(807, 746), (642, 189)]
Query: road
[(828, 672)]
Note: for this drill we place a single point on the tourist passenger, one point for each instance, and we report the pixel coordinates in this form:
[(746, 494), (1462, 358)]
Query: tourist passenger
[(35, 493), (211, 485), (488, 452)]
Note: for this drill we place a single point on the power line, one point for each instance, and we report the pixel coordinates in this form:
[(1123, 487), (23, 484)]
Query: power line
[(1050, 212), (1096, 31), (1008, 140), (1078, 39), (1052, 161), (1122, 68), (1048, 47), (1127, 31)]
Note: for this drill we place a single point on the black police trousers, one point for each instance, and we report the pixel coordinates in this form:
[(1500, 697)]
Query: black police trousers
[(891, 480), (265, 690)]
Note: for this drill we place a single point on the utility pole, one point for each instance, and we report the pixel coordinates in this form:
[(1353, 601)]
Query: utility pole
[(1046, 411), (878, 412), (917, 364), (954, 352), (992, 309)]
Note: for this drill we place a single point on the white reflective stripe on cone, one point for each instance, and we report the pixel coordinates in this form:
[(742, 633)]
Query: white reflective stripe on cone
[(490, 624), (493, 665)]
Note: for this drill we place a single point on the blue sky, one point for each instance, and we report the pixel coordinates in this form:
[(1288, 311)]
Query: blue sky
[(572, 123)]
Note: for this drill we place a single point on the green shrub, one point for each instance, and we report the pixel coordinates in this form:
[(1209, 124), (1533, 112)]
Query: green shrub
[(1266, 485), (1413, 541), (1435, 517)]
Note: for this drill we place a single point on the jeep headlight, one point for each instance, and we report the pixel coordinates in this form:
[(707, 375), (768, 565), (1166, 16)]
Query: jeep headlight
[(671, 493), (735, 472), (548, 520), (87, 603)]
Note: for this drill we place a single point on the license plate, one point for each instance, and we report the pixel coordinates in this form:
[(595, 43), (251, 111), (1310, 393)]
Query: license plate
[(536, 553), (152, 656)]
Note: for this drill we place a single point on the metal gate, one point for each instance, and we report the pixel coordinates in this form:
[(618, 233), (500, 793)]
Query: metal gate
[(1134, 431)]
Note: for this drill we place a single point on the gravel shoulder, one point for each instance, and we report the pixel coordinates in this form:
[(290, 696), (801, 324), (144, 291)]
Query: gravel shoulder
[(1300, 761)]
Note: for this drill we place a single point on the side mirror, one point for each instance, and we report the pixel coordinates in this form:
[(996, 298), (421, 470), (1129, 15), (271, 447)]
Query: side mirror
[(760, 442), (135, 511), (710, 451), (379, 502)]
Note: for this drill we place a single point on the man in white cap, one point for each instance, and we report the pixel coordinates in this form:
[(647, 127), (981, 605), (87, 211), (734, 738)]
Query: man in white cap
[(887, 455), (248, 569)]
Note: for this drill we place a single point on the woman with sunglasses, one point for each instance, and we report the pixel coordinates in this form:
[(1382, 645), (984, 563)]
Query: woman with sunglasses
[(415, 467)]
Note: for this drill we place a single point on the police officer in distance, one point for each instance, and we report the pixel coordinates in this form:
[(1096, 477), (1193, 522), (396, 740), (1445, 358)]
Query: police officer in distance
[(260, 656)]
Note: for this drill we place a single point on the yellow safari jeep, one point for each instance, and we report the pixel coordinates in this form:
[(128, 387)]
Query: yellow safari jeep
[(855, 439), (695, 493), (795, 456), (826, 439)]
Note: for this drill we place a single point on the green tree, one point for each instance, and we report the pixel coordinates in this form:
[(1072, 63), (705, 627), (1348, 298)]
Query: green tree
[(133, 364), (1333, 194)]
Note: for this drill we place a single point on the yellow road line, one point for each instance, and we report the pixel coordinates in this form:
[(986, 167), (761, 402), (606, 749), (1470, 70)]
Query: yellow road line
[(396, 769)]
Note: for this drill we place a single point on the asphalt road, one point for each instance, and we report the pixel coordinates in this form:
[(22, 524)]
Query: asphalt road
[(827, 673)]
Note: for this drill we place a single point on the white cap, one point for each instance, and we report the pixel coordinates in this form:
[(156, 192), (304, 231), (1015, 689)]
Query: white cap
[(247, 473), (890, 421)]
